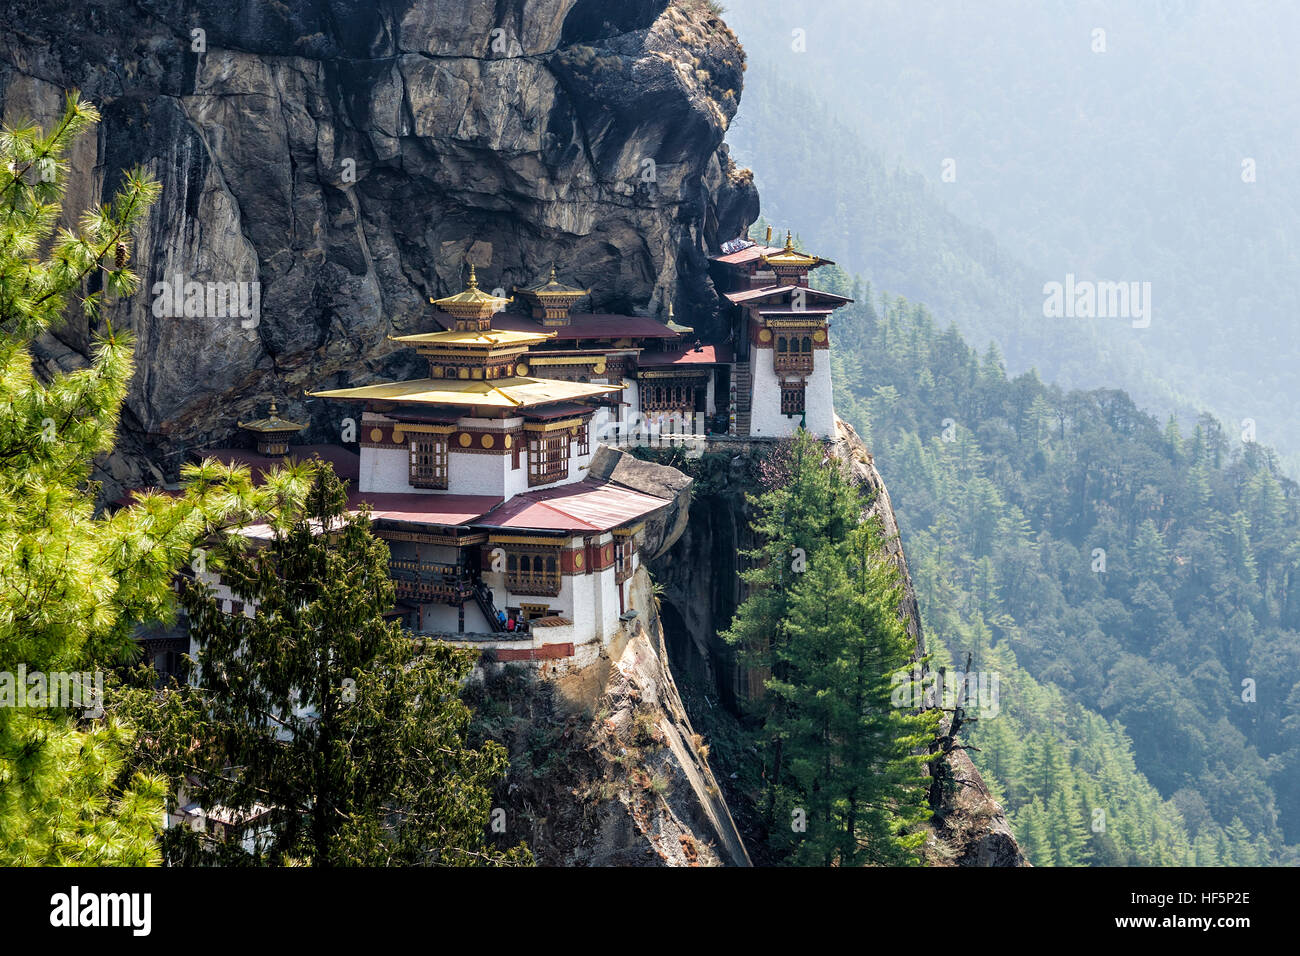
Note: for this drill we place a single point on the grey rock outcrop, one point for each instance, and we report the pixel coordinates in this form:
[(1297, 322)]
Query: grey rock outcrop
[(662, 481)]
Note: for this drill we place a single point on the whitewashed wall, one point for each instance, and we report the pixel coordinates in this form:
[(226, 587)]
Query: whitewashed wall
[(766, 420)]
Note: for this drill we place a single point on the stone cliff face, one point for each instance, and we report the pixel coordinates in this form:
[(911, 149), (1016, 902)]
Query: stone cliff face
[(352, 155), (606, 768)]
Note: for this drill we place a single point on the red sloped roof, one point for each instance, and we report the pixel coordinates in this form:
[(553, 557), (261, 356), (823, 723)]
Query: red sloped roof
[(747, 254), (559, 410), (748, 294), (581, 507), (347, 464), (590, 325), (700, 355), (424, 509)]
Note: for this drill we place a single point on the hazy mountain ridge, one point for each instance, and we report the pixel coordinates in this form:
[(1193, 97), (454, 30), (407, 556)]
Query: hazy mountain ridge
[(1117, 166)]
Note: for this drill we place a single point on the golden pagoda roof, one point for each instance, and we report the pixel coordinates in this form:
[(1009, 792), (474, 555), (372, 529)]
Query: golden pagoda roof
[(271, 424), (489, 338), (552, 288), (789, 256), (472, 301), (673, 326), (502, 393)]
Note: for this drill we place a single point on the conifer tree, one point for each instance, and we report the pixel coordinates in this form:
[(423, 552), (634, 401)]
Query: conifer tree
[(854, 765), (74, 582), (821, 625), (344, 729), (807, 502)]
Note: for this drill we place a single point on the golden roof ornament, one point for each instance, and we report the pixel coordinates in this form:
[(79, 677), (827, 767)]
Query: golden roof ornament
[(272, 432), (272, 424), (472, 305), (551, 300), (679, 329), (789, 261)]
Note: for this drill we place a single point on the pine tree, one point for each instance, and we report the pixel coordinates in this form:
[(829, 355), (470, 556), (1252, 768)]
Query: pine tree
[(74, 582), (853, 767), (1033, 833), (349, 731), (809, 501), (821, 626)]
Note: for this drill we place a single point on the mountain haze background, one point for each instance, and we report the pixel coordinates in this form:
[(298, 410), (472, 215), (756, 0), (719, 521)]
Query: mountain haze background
[(1116, 165)]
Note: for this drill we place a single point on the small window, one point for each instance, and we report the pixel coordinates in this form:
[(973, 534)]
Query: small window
[(792, 398), (429, 461), (548, 457)]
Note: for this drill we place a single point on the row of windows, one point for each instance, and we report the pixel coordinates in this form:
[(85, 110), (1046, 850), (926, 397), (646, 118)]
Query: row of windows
[(548, 457), (533, 573), (669, 398)]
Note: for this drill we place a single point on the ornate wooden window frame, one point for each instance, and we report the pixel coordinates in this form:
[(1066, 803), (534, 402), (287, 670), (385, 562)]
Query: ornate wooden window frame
[(533, 570), (428, 460), (550, 450), (793, 398)]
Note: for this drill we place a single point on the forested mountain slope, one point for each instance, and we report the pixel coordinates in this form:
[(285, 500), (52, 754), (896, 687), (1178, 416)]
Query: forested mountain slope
[(1136, 588), (887, 223)]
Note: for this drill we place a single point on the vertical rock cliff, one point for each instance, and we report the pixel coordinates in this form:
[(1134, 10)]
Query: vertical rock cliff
[(351, 155)]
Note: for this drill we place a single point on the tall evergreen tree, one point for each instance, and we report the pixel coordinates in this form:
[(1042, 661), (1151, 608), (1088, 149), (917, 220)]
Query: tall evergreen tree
[(820, 625), (74, 582), (853, 767), (347, 731)]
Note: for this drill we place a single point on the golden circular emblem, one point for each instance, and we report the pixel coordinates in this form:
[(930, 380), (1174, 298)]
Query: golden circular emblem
[(577, 559), (819, 336), (765, 335), (599, 368), (488, 441), (521, 369), (376, 434), (465, 440), (398, 436), (508, 441)]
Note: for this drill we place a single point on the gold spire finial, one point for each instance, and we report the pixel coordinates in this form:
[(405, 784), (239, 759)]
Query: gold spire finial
[(473, 279), (274, 410), (552, 279), (789, 239)]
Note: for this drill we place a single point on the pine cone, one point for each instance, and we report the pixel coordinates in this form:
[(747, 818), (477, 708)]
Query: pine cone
[(119, 257)]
